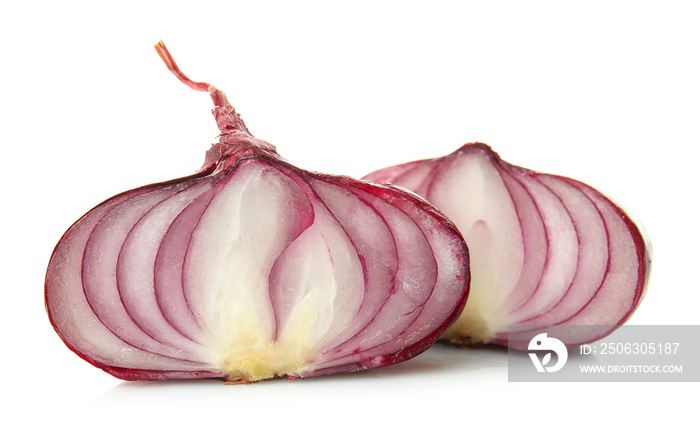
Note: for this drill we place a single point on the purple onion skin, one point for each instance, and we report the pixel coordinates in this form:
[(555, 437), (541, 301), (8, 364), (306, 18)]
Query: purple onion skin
[(569, 255), (253, 269)]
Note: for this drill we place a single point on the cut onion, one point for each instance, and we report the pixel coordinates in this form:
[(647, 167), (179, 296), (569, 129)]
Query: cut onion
[(545, 250), (252, 269)]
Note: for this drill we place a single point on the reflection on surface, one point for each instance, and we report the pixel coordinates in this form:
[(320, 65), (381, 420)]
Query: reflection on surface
[(437, 370)]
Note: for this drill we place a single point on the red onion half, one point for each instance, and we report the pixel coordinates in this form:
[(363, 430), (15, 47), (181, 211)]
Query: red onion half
[(253, 268), (545, 249)]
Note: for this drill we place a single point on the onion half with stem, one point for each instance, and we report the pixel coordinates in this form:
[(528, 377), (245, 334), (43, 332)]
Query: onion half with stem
[(253, 268)]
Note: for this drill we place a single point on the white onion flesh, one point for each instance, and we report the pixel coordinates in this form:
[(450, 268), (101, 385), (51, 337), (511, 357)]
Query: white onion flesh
[(253, 269), (545, 250)]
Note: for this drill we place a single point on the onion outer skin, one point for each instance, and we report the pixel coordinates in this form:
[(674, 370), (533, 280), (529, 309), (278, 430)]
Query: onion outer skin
[(253, 269), (539, 213)]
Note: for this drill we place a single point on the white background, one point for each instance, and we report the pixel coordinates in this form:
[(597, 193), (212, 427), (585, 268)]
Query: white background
[(606, 92)]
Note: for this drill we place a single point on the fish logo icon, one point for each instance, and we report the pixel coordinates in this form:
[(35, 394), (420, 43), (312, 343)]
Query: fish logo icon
[(543, 343)]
